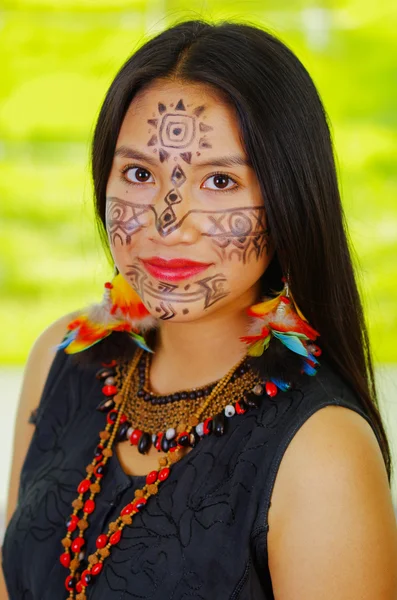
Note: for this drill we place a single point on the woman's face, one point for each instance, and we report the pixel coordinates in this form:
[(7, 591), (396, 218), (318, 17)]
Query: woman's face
[(184, 213)]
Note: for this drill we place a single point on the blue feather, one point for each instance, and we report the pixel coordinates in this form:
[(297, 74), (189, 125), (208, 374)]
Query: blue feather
[(140, 341), (291, 342), (308, 369), (282, 385)]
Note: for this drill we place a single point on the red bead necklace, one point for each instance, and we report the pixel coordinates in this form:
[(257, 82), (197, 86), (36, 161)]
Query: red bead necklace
[(77, 582)]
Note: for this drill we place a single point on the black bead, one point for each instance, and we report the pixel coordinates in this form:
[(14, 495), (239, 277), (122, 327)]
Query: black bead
[(113, 416), (183, 395), (147, 397), (192, 395), (219, 424), (184, 440), (144, 443), (121, 434), (175, 397), (71, 583), (100, 469), (165, 444), (140, 393), (98, 452), (106, 372), (172, 443), (105, 405), (88, 578), (200, 393), (251, 402)]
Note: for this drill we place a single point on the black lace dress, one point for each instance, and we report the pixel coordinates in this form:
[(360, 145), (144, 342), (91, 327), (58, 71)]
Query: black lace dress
[(202, 537)]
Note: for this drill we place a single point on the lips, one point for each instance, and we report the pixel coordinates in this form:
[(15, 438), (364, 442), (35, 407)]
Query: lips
[(175, 269)]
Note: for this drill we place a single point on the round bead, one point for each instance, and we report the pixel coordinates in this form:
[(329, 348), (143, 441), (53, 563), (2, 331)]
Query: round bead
[(104, 373), (111, 417), (109, 390), (101, 541), (115, 537), (84, 486), (170, 433), (99, 470), (96, 569), (106, 404), (89, 506), (77, 544), (151, 477), (229, 410), (144, 443), (163, 474), (219, 424), (64, 559), (86, 577), (138, 503), (183, 439), (110, 381), (271, 388), (111, 363), (70, 582), (122, 432), (123, 418), (71, 523), (258, 389), (135, 436), (165, 444), (79, 587), (240, 410), (207, 426), (200, 429)]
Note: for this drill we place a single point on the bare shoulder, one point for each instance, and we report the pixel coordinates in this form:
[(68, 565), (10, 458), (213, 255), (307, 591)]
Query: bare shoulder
[(332, 527), (42, 352), (35, 375)]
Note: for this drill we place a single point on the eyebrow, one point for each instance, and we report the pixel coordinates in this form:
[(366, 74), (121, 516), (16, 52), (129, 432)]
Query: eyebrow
[(230, 160)]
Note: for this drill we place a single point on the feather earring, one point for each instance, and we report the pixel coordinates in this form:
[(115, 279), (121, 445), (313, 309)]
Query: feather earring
[(279, 319), (121, 310)]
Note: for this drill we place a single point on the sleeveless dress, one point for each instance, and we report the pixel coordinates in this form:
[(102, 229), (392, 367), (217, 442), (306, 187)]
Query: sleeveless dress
[(202, 537)]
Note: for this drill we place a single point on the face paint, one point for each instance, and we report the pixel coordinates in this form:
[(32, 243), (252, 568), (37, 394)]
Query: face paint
[(172, 217)]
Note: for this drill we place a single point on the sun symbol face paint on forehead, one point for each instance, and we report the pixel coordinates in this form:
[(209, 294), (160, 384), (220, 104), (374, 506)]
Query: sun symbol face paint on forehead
[(178, 130)]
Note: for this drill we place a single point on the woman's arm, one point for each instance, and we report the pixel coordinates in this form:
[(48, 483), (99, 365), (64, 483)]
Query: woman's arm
[(35, 374), (332, 528)]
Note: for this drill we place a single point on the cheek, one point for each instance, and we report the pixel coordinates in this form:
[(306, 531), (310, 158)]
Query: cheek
[(238, 235)]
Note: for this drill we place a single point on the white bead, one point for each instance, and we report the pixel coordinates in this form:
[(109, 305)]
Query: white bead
[(130, 431), (170, 433), (154, 438), (230, 410), (110, 381), (81, 555), (200, 429)]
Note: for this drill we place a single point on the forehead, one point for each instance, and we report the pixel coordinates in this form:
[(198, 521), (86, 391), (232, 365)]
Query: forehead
[(176, 115)]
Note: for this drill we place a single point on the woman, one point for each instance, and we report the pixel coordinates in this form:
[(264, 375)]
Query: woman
[(219, 464)]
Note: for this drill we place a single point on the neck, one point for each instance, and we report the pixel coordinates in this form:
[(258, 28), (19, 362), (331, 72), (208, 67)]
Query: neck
[(193, 354)]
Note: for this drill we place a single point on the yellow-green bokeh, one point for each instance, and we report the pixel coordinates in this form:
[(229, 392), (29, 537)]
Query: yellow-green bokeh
[(58, 59)]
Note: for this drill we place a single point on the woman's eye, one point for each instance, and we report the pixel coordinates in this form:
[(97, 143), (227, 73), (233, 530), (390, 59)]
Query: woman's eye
[(136, 174), (221, 181)]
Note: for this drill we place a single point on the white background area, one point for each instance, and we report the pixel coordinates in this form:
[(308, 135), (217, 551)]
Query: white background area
[(10, 382)]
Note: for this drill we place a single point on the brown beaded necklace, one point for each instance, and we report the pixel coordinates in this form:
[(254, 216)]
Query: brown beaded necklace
[(219, 398)]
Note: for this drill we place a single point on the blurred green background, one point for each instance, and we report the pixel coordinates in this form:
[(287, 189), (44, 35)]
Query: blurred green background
[(59, 59)]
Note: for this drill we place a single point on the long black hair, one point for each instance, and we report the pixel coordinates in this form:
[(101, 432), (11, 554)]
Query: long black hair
[(286, 135)]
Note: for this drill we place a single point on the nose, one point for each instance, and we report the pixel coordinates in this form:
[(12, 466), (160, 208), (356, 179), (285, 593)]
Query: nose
[(174, 222)]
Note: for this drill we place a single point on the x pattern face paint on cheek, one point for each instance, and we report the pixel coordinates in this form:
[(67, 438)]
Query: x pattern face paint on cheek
[(176, 130), (169, 299), (239, 233)]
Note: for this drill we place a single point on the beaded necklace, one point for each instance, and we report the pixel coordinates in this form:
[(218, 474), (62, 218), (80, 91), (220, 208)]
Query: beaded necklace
[(191, 433)]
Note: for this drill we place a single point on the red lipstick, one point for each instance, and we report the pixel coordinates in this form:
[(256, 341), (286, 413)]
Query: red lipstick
[(174, 269)]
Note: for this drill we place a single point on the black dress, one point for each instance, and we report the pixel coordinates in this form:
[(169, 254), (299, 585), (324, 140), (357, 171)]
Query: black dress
[(202, 537)]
